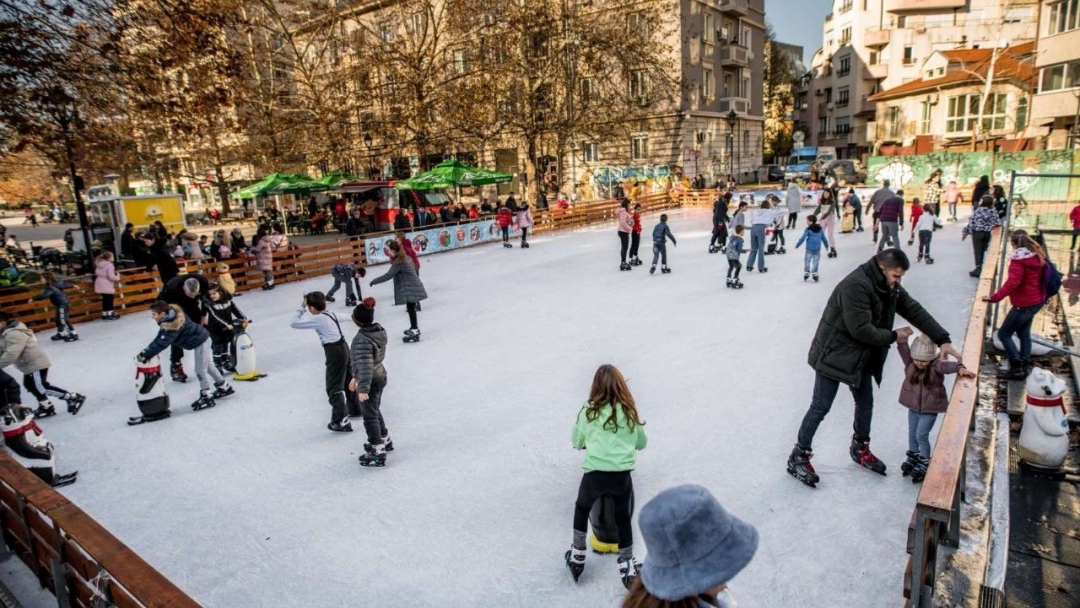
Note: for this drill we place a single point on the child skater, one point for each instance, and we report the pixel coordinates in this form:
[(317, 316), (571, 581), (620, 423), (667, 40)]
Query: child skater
[(369, 379), (779, 224), (660, 234), (524, 220), (923, 393), (175, 329), (718, 242), (21, 349), (924, 227), (105, 280), (336, 350), (916, 213), (734, 250), (346, 273), (611, 432), (221, 316), (814, 237), (54, 291), (504, 217), (635, 238)]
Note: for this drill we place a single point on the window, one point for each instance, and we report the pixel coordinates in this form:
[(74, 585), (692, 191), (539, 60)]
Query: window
[(1021, 114), (823, 124), (707, 30), (419, 24), (460, 61), (744, 89), (591, 152), (845, 66), (924, 121), (845, 6), (1063, 17), (745, 142), (708, 84), (843, 125), (845, 36), (842, 97), (1061, 76), (894, 122), (638, 85), (964, 113), (637, 24), (746, 37), (909, 55), (590, 91), (639, 146), (386, 32), (901, 22), (873, 58)]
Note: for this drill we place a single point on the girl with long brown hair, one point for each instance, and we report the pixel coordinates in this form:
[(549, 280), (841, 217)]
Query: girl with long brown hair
[(611, 430)]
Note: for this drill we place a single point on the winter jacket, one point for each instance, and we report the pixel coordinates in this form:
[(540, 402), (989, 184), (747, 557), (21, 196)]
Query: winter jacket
[(625, 221), (660, 233), (407, 247), (1024, 284), (719, 213), (173, 293), (892, 210), (192, 249), (952, 194), (982, 188), (279, 242), (916, 213), (504, 217), (343, 271), (524, 218), (55, 293), (176, 329), (794, 199), (637, 223), (925, 222), (105, 277), (237, 244), (814, 237), (854, 201), (735, 247), (220, 317), (827, 211), (766, 216), (1001, 206), (407, 285), (264, 256), (354, 226), (932, 192), (368, 351), (739, 219), (607, 449), (1074, 216), (21, 349), (929, 396), (984, 219), (878, 197), (162, 257), (855, 329)]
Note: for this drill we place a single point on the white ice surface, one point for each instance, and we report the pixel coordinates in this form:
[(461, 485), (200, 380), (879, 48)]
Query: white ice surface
[(256, 503)]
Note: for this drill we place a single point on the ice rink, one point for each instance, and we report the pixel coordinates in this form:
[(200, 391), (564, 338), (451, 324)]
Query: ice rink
[(255, 503)]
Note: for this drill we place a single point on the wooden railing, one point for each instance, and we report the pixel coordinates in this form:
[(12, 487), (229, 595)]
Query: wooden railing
[(936, 519), (71, 554)]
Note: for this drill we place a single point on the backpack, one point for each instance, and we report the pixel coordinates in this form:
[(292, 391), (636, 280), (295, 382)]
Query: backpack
[(224, 251), (1051, 280)]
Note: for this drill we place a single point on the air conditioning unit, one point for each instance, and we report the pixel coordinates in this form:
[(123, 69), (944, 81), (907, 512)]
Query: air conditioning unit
[(819, 92), (830, 106)]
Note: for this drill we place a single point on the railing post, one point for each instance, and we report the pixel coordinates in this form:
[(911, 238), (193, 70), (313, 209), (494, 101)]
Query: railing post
[(60, 589), (918, 559)]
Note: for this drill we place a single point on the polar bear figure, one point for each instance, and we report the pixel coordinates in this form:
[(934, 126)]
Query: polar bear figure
[(1044, 439)]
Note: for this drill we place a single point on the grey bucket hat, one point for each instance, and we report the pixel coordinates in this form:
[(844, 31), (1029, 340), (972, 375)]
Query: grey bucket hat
[(693, 544)]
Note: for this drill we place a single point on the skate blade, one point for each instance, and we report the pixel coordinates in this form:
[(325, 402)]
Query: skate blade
[(812, 484), (60, 481)]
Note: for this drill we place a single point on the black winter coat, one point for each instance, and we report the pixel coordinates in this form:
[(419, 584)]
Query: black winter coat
[(856, 328), (173, 293)]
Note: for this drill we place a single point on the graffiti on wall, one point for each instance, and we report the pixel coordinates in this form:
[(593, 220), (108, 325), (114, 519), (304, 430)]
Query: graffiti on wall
[(637, 180)]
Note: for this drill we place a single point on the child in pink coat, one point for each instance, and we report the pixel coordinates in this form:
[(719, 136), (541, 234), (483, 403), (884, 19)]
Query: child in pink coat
[(105, 280), (524, 220)]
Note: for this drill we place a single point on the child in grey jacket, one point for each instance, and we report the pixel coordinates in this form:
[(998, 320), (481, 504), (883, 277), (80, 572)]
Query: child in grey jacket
[(660, 234), (734, 250)]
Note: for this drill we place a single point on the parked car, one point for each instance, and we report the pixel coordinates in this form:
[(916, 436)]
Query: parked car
[(771, 173), (847, 171), (796, 172)]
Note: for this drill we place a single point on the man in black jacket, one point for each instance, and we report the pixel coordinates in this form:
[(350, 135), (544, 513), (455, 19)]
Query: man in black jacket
[(850, 346), (185, 291)]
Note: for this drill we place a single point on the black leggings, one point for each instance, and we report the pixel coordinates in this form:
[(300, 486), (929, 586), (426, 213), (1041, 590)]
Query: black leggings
[(38, 385), (107, 302), (925, 236), (980, 242), (524, 234), (793, 220), (1075, 235), (624, 240), (620, 487), (410, 307), (506, 234), (778, 235), (635, 241), (733, 265)]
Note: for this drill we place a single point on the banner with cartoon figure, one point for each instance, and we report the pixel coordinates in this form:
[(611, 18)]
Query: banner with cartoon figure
[(436, 240)]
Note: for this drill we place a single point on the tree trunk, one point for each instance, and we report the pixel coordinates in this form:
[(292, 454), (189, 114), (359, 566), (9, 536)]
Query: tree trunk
[(222, 188)]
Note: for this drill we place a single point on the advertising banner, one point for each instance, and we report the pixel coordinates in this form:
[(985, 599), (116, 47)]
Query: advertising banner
[(435, 240)]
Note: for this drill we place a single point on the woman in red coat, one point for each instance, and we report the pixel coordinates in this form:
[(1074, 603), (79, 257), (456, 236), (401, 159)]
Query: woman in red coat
[(504, 218), (1024, 288)]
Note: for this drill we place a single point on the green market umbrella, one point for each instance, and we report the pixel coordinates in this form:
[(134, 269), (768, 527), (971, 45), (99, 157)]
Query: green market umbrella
[(450, 174), (271, 184)]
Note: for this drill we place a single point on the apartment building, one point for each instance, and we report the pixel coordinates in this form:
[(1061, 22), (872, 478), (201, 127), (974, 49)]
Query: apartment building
[(870, 46), (1055, 107)]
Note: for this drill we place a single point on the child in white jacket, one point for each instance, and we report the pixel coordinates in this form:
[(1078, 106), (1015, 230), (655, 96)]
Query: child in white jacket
[(925, 229)]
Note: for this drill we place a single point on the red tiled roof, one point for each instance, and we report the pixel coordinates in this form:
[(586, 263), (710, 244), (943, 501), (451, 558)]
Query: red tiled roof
[(1012, 64)]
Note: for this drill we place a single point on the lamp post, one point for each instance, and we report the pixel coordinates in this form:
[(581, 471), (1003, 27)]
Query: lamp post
[(573, 168), (732, 119), (367, 145)]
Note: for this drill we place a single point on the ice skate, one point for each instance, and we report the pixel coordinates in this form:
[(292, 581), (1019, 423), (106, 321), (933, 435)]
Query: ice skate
[(976, 272), (204, 401), (763, 270), (920, 256), (918, 473), (628, 571), (624, 266), (342, 426), (268, 286), (929, 260), (713, 249), (222, 390), (799, 467), (805, 276), (58, 336), (387, 442), (737, 284), (832, 252), (665, 270), (859, 229), (350, 301), (412, 335), (575, 561), (909, 464), (636, 262), (375, 458), (729, 283), (178, 374), (331, 299), (71, 336), (781, 250), (524, 245), (652, 269), (815, 277), (75, 402), (507, 245), (861, 454), (911, 241), (44, 410)]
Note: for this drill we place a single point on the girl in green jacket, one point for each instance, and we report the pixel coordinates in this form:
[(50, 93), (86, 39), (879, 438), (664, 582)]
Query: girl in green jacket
[(609, 426)]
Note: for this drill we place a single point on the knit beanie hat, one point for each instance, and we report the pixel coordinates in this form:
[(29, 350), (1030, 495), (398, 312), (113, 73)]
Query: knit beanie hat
[(924, 349), (364, 313)]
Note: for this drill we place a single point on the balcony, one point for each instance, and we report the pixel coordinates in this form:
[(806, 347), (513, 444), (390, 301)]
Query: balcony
[(741, 105), (876, 71), (734, 56), (915, 6), (866, 108), (877, 37), (735, 7)]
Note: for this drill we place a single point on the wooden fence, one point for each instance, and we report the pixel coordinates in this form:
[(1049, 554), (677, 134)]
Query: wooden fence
[(71, 554)]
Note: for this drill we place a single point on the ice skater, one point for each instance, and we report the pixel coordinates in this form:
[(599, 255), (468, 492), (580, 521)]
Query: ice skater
[(891, 220), (222, 316), (734, 250), (504, 217), (21, 349), (924, 227), (814, 237), (720, 221), (794, 204), (916, 213), (338, 363), (176, 329), (347, 274), (761, 219), (369, 379), (610, 430), (54, 292), (524, 220), (660, 234), (923, 393), (635, 236), (626, 226), (408, 289), (105, 282), (828, 213)]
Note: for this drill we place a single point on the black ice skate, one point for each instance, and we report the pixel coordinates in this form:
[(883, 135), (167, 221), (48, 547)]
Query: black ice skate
[(799, 467), (387, 443), (815, 277), (929, 260), (59, 481), (832, 252), (44, 410), (920, 256), (508, 246), (713, 249), (70, 336), (412, 335), (909, 464), (268, 286), (375, 458), (636, 262), (652, 270), (976, 272), (204, 401), (75, 403), (781, 250), (624, 266), (911, 241), (806, 276), (178, 374), (57, 337), (665, 270), (133, 420), (331, 299), (729, 283), (350, 301), (222, 390), (575, 561), (342, 426), (861, 454), (737, 284), (524, 245), (919, 472), (628, 571)]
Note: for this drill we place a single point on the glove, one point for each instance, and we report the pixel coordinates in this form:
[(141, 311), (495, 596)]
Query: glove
[(141, 358)]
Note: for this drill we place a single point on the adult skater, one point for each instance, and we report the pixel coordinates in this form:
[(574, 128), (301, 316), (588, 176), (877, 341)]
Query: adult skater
[(369, 379), (720, 221), (625, 227), (760, 220), (874, 205), (408, 289), (850, 347), (891, 220), (856, 207), (187, 292), (932, 191), (828, 213), (157, 254), (20, 348), (794, 204), (982, 188), (336, 349), (176, 329), (980, 225)]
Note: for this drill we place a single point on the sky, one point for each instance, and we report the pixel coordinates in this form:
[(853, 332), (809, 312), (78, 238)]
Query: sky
[(798, 22)]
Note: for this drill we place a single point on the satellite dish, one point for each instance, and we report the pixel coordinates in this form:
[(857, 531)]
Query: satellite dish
[(798, 136)]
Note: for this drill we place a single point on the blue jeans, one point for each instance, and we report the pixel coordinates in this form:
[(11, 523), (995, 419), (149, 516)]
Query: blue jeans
[(918, 432), (1018, 322), (810, 262), (757, 246)]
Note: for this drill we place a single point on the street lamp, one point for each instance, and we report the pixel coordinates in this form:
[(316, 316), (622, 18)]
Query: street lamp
[(732, 120), (573, 168), (367, 145)]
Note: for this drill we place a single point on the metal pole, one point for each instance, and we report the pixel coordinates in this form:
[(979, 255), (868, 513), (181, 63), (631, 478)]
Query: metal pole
[(80, 207)]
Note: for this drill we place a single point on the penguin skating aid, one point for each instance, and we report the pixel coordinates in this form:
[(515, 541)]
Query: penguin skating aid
[(150, 393)]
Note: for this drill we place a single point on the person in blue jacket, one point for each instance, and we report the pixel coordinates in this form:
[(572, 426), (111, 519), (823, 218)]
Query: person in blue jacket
[(814, 237), (54, 292), (176, 329)]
